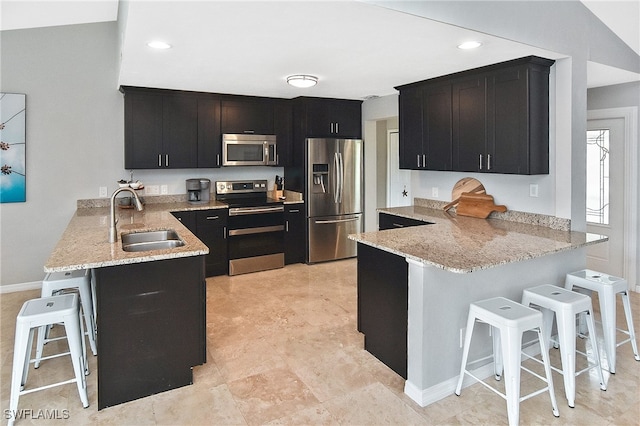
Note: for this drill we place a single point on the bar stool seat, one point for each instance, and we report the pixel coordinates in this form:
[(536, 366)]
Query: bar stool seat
[(34, 314), (565, 305), (607, 287), (509, 320), (52, 284)]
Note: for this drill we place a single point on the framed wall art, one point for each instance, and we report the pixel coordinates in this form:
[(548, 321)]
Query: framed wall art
[(13, 177)]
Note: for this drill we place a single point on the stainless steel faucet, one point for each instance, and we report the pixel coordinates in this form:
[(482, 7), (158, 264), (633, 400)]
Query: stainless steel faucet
[(113, 232)]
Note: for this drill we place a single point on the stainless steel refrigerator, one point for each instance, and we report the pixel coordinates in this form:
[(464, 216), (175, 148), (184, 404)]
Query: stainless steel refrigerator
[(334, 178)]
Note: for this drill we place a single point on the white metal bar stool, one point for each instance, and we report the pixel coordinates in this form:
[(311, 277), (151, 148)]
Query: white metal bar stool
[(607, 287), (565, 305), (509, 320), (34, 314), (51, 285)]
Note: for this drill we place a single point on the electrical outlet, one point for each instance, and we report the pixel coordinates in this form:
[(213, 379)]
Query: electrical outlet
[(152, 190), (164, 189), (533, 190), (103, 192), (434, 191)]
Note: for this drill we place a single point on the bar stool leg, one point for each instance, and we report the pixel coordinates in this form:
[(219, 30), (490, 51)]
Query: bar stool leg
[(465, 354), (498, 365), (24, 339), (74, 336), (608, 315), (544, 350), (511, 356), (632, 333), (591, 325), (87, 310), (566, 335)]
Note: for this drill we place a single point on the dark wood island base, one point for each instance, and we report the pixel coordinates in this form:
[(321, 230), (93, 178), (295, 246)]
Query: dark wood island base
[(151, 327)]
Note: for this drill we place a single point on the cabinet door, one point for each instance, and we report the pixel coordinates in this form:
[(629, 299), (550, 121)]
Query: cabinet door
[(188, 219), (410, 147), (436, 128), (211, 226), (318, 119), (283, 123), (143, 130), (469, 125), (294, 237), (346, 117), (209, 135), (247, 116), (179, 131)]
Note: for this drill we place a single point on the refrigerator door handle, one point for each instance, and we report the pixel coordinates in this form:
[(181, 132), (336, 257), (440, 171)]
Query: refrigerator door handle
[(336, 176), (323, 222)]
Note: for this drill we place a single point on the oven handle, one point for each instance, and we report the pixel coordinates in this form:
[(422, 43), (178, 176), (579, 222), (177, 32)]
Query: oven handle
[(323, 222), (257, 230), (239, 211)]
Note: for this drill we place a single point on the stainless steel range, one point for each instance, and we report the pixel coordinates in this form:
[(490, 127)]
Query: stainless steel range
[(255, 236)]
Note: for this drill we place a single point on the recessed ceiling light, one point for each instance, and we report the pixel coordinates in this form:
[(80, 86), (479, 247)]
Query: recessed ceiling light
[(302, 80), (159, 45), (469, 45)]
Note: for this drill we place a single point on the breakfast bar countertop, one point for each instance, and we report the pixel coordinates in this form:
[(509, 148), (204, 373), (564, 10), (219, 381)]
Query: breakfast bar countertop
[(465, 244)]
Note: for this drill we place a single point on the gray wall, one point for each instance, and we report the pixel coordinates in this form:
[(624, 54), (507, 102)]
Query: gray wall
[(74, 134)]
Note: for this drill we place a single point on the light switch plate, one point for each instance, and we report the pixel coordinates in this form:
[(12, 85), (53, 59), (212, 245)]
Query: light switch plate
[(434, 191), (103, 192), (533, 190), (152, 190), (164, 189)]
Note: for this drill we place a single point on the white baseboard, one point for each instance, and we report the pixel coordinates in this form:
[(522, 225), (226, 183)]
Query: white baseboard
[(11, 288)]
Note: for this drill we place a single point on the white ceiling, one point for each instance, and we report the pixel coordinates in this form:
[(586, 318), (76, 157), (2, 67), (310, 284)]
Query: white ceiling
[(356, 49)]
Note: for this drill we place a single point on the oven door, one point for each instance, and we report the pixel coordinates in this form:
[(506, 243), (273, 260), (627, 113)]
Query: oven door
[(255, 239)]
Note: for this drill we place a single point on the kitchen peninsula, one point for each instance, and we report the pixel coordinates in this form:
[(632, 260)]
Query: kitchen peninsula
[(150, 304), (415, 284)]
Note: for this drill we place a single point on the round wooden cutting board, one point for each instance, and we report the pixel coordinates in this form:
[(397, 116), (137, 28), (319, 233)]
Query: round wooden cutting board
[(467, 184)]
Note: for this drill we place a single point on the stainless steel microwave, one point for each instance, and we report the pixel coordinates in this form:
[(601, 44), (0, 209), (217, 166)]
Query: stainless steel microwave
[(249, 150)]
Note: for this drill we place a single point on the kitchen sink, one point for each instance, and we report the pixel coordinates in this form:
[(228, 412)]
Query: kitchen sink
[(151, 240)]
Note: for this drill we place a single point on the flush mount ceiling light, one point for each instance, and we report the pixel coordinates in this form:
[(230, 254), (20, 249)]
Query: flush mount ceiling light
[(159, 45), (469, 45), (302, 80)]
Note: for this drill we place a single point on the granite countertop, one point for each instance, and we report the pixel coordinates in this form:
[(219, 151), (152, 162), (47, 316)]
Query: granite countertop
[(464, 244), (85, 243)]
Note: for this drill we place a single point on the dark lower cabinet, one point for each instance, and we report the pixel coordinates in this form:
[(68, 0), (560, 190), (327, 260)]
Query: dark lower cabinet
[(187, 218), (382, 306), (294, 236), (211, 229), (390, 221), (151, 327)]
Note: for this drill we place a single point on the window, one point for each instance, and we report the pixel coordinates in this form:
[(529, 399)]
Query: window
[(598, 176)]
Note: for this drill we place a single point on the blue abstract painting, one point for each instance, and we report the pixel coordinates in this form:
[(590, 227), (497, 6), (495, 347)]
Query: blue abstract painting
[(13, 175)]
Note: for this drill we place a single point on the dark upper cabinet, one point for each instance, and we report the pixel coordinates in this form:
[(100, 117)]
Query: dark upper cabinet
[(209, 135), (337, 118), (469, 124), (170, 129), (425, 127), (283, 126), (248, 115), (498, 120), (179, 131)]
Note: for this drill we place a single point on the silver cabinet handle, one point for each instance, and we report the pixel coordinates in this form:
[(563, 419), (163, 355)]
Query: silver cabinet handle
[(224, 230), (488, 161), (212, 217), (424, 160), (159, 160), (294, 211), (166, 160), (179, 218), (480, 161), (217, 159), (418, 158), (337, 127), (398, 225), (286, 226)]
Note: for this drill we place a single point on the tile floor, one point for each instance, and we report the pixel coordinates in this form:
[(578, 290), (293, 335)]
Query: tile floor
[(283, 349)]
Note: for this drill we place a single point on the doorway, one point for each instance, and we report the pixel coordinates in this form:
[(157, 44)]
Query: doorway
[(398, 181), (611, 191)]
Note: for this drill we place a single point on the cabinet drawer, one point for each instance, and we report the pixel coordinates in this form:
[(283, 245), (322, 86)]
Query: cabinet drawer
[(390, 221)]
